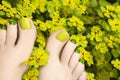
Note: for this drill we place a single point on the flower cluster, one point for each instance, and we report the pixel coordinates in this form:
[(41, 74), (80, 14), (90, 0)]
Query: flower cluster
[(38, 58), (116, 64), (80, 40), (93, 24), (90, 76), (31, 74), (86, 56)]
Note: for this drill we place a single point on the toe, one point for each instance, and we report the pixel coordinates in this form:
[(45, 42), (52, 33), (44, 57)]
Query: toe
[(83, 76), (79, 69), (74, 60), (11, 35), (54, 46), (2, 37), (67, 52), (26, 37), (25, 42)]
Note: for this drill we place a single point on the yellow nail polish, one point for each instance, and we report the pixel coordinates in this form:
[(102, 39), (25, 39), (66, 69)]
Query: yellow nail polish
[(62, 36), (25, 23)]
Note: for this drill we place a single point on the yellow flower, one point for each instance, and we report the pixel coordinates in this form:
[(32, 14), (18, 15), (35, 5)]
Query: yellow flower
[(31, 61), (82, 9), (41, 26), (116, 64), (43, 60), (55, 16), (90, 76), (96, 34), (42, 5), (2, 7), (106, 13), (27, 1), (86, 56), (6, 4), (40, 39), (3, 21), (110, 8), (34, 78), (80, 40), (74, 21), (117, 9), (62, 21), (95, 29), (34, 5), (75, 37), (115, 24), (33, 72), (109, 43), (65, 2), (102, 47)]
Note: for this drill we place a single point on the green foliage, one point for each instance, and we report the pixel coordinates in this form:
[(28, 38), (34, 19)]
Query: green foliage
[(93, 24)]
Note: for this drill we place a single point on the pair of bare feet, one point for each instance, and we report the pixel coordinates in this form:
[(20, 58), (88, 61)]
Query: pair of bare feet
[(16, 45)]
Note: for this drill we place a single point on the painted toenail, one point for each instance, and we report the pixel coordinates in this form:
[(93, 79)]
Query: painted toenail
[(62, 36), (12, 22), (73, 41), (24, 23)]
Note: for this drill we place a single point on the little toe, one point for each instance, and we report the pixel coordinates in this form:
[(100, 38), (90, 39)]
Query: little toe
[(67, 52), (74, 60), (83, 76), (26, 36), (55, 44), (78, 70), (11, 35), (2, 37)]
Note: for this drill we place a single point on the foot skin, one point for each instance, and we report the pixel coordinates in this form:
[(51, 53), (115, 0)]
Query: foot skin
[(15, 46), (63, 63)]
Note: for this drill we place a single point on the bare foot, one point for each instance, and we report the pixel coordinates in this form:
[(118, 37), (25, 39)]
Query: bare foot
[(63, 61), (12, 53)]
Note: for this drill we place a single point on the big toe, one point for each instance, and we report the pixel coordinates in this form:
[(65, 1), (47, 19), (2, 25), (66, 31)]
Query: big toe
[(55, 44), (26, 37)]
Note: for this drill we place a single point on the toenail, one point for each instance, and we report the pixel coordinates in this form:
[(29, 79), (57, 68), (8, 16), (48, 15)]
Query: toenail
[(25, 23), (62, 36), (73, 41), (12, 22)]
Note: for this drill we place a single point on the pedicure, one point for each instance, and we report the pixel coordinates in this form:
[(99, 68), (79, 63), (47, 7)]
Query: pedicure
[(25, 23), (62, 36)]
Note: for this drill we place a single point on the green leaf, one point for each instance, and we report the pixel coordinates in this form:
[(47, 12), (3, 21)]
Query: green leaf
[(115, 53), (105, 25), (108, 68), (8, 14), (2, 13), (94, 3), (103, 3), (86, 20), (108, 57), (3, 27), (99, 12), (17, 16)]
